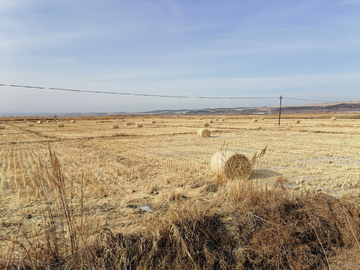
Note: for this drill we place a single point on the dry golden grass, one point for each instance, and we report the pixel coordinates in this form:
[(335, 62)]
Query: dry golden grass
[(111, 176)]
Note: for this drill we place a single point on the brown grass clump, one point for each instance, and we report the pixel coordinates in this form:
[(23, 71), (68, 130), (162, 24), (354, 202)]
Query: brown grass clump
[(230, 165), (203, 133)]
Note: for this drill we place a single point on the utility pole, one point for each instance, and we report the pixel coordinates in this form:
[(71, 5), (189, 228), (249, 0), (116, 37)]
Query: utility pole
[(280, 109)]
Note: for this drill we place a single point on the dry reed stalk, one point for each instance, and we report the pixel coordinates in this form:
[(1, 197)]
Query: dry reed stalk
[(230, 165), (203, 133)]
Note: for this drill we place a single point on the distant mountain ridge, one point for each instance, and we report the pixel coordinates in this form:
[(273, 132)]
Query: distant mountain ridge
[(313, 108)]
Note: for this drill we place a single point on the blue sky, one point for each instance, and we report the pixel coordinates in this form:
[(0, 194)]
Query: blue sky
[(302, 49)]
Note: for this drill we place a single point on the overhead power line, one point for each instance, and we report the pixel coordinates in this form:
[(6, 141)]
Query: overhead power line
[(124, 93), (145, 95)]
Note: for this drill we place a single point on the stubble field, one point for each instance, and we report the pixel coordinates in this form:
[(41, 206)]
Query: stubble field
[(124, 179)]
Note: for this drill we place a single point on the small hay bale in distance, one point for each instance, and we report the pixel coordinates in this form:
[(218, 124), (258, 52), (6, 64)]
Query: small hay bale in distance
[(139, 125), (333, 118), (128, 123), (39, 122), (203, 133), (296, 121), (222, 119), (205, 124), (230, 165), (211, 121), (115, 126), (2, 126), (153, 121), (30, 124), (72, 121), (255, 120), (60, 124)]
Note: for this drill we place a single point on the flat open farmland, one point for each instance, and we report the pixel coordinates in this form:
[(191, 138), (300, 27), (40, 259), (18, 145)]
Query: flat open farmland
[(123, 178)]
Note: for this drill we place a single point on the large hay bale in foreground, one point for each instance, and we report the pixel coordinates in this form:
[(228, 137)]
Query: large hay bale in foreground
[(230, 165), (60, 124), (203, 133), (2, 126), (115, 126)]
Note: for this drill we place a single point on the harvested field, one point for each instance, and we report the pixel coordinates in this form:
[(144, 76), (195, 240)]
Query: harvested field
[(125, 182)]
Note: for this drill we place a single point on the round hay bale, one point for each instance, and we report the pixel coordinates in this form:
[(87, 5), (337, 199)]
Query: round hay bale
[(115, 126), (203, 133), (230, 165), (153, 122), (211, 121), (222, 119), (60, 124), (296, 121), (2, 126), (47, 121), (139, 125), (333, 118), (39, 122), (128, 123), (72, 121), (255, 120), (30, 124), (217, 119), (205, 124)]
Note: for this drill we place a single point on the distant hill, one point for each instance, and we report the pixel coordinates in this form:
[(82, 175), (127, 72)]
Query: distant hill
[(313, 108)]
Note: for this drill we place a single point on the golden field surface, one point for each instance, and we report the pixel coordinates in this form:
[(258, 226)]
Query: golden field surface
[(123, 178)]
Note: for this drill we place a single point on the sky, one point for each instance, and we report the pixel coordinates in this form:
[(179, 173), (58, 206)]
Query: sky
[(306, 49)]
